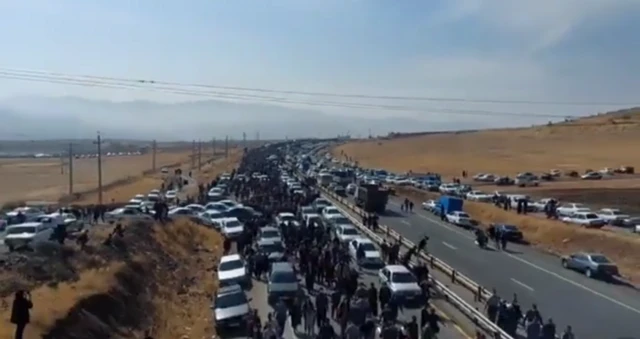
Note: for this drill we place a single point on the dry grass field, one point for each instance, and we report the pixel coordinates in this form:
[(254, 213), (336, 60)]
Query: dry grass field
[(42, 180), (595, 143), (607, 140)]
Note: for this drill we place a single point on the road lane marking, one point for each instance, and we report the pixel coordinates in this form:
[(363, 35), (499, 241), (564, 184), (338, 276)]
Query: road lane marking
[(542, 269), (522, 284), (449, 245), (405, 222)]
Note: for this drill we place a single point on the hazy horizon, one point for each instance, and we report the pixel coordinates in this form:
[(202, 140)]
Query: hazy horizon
[(467, 64)]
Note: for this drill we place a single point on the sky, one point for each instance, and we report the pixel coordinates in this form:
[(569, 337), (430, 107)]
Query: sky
[(531, 50)]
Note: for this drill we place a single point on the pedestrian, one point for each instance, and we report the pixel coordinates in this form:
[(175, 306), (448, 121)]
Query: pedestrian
[(20, 312)]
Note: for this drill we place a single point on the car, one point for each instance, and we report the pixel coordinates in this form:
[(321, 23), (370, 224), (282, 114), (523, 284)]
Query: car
[(612, 216), (459, 218), (171, 194), (228, 202), (196, 208), (232, 228), (571, 208), (371, 258), (335, 220), (282, 282), (591, 264), (216, 194), (479, 196), (29, 213), (311, 217), (351, 189), (230, 308), (154, 196), (179, 212), (450, 188), (216, 206), (269, 233), (402, 283), (273, 249), (306, 210), (329, 211), (430, 205), (243, 213), (215, 218), (126, 214), (509, 232), (286, 217), (320, 204), (27, 235), (591, 176), (585, 219), (232, 270), (346, 233)]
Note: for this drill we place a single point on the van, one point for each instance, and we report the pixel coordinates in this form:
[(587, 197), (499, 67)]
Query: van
[(282, 282), (27, 234)]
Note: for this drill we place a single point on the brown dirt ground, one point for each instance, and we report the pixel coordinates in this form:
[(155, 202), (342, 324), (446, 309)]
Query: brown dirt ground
[(594, 143), (41, 179), (554, 236), (160, 278)]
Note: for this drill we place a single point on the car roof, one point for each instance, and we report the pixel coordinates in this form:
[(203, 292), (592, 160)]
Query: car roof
[(235, 288), (396, 268), (281, 266), (345, 226), (230, 257), (284, 214), (363, 240), (269, 228), (28, 224)]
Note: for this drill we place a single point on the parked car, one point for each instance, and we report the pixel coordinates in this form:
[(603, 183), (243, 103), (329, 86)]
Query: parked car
[(612, 216), (459, 218), (585, 219), (591, 264)]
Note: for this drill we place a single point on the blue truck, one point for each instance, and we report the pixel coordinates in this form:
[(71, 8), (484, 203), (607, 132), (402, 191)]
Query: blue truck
[(450, 204)]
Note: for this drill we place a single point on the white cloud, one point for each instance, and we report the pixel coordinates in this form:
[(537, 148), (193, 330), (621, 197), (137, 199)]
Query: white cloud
[(543, 23)]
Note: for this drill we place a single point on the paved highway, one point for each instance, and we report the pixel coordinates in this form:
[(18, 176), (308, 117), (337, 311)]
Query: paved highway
[(594, 308)]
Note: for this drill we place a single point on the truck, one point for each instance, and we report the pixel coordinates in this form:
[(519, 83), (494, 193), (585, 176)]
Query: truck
[(450, 204), (372, 198)]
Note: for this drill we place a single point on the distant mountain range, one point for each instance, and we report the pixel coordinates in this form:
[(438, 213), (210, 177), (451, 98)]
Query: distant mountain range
[(38, 118)]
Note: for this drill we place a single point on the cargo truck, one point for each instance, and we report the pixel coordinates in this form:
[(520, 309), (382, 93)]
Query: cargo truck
[(372, 198)]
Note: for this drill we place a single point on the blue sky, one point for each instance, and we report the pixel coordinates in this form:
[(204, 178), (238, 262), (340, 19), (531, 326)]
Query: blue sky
[(551, 50)]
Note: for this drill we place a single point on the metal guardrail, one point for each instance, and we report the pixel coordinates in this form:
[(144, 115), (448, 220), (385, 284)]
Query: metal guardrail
[(479, 292)]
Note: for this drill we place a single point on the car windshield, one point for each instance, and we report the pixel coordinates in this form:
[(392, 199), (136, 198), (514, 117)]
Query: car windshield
[(231, 299), (215, 215), (463, 215), (341, 220), (231, 265), (349, 231), (272, 248), (283, 278), (332, 211), (287, 218), (403, 277), (217, 207), (616, 213), (368, 247), (21, 229), (233, 223), (197, 208), (600, 259), (591, 216), (271, 234)]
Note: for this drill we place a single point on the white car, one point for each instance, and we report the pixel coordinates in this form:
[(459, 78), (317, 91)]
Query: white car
[(591, 176), (232, 270), (228, 202), (429, 205), (216, 194), (171, 194), (27, 234), (459, 218), (196, 208), (402, 283), (269, 233), (126, 214), (372, 255), (346, 233), (479, 196), (29, 213), (329, 211), (585, 219), (232, 228), (216, 206), (612, 216), (569, 209), (484, 177), (285, 217), (335, 220), (181, 212), (213, 218), (448, 188)]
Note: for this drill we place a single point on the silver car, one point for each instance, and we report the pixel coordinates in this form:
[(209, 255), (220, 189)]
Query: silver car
[(230, 308)]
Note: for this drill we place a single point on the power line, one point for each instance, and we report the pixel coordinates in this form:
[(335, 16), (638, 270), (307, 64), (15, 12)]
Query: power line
[(325, 94), (258, 98)]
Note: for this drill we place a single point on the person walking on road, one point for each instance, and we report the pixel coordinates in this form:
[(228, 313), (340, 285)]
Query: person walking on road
[(309, 314)]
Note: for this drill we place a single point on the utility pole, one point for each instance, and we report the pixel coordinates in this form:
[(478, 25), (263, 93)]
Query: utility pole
[(199, 155), (61, 163), (193, 155), (154, 148), (70, 168), (226, 146), (213, 147), (99, 143), (244, 140)]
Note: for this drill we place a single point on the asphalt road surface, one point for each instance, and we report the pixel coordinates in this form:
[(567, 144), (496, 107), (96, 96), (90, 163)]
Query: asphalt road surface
[(595, 309)]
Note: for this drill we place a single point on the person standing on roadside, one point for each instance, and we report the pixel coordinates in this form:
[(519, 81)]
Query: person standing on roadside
[(20, 312)]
